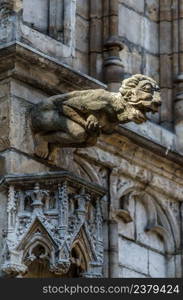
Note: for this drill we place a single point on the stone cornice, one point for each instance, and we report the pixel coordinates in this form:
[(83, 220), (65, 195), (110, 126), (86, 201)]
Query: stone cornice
[(28, 65), (23, 180)]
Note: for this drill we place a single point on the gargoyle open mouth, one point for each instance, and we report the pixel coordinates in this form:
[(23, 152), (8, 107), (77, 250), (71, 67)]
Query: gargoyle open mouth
[(148, 105)]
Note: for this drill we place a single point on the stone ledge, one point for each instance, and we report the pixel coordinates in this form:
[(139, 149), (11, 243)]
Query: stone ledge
[(162, 142), (24, 179), (154, 133), (28, 65)]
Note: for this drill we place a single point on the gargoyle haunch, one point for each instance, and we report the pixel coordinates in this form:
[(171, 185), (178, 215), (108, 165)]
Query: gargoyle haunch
[(76, 119)]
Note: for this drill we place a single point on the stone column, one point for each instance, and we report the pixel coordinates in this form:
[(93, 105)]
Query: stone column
[(178, 107), (63, 209), (180, 267), (113, 67), (166, 62), (113, 249), (96, 38)]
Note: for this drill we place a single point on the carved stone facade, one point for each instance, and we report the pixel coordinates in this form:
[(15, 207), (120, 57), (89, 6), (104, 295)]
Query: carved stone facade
[(114, 208)]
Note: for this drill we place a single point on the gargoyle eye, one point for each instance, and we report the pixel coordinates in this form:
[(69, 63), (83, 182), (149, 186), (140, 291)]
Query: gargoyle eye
[(147, 88)]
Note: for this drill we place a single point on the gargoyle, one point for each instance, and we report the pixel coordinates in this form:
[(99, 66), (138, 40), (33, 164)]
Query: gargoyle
[(76, 119)]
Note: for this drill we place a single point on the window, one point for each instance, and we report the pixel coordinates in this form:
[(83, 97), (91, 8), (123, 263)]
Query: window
[(52, 17)]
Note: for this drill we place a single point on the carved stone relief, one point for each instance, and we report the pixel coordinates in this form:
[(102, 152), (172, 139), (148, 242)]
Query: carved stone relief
[(55, 220)]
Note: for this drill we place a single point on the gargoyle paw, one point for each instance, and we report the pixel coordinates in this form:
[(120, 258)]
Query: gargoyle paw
[(41, 150)]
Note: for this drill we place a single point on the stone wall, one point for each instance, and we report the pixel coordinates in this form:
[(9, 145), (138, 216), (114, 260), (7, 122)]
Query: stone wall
[(139, 31), (81, 60), (138, 167)]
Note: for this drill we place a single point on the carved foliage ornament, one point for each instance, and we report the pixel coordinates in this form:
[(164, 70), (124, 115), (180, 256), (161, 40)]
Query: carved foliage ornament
[(76, 119), (58, 222)]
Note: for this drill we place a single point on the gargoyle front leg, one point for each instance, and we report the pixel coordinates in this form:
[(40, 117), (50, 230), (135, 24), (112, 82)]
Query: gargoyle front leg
[(92, 125), (41, 148)]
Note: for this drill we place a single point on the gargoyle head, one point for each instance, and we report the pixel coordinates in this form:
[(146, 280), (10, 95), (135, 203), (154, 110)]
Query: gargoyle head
[(142, 94)]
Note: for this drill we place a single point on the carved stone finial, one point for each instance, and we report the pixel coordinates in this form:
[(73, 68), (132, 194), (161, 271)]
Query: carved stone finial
[(76, 119)]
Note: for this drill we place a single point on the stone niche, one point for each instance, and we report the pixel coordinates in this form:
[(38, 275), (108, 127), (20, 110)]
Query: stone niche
[(54, 226)]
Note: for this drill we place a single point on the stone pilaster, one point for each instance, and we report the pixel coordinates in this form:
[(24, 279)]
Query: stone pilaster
[(178, 107), (168, 37), (113, 67)]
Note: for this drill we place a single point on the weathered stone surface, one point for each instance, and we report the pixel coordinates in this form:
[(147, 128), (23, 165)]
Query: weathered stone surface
[(4, 116), (96, 65), (175, 42), (133, 33), (166, 71), (166, 10), (147, 238), (18, 163), (149, 38), (142, 31), (166, 37), (126, 226), (133, 256), (127, 273), (151, 66), (157, 265), (56, 73), (22, 91), (81, 62), (155, 133), (138, 6), (21, 139), (82, 34), (82, 8), (167, 105), (36, 14), (3, 221), (132, 60)]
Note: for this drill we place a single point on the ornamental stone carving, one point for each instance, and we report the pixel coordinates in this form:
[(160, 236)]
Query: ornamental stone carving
[(55, 220), (76, 119)]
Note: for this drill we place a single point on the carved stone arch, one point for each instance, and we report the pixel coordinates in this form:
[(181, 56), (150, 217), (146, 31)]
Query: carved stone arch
[(168, 221), (84, 254), (37, 241), (37, 250), (87, 170), (160, 218), (123, 198), (80, 258)]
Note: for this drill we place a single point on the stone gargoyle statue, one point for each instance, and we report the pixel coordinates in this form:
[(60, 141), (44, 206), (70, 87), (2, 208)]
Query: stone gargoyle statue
[(76, 119)]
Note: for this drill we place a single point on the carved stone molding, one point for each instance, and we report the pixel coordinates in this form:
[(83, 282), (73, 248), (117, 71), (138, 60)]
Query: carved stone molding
[(54, 219)]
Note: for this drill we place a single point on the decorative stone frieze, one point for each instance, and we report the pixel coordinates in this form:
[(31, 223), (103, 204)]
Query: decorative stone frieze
[(55, 219)]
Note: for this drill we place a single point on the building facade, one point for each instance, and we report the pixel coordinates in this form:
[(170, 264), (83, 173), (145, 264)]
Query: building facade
[(113, 209)]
